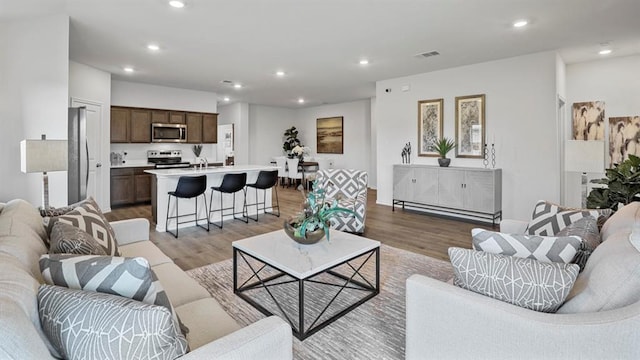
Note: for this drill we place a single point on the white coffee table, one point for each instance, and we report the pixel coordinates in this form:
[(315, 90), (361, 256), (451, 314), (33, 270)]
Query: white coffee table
[(290, 262)]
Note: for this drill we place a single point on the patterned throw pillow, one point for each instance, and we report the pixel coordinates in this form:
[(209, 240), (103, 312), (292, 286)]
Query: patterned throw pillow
[(549, 218), (90, 325), (542, 248), (587, 230), (128, 277), (526, 283), (68, 239), (88, 217)]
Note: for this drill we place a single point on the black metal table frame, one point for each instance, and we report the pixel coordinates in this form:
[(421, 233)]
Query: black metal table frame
[(298, 329)]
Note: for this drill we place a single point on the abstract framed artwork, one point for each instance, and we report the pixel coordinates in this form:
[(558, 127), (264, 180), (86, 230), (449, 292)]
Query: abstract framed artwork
[(624, 135), (470, 126), (330, 135), (588, 120), (430, 126)]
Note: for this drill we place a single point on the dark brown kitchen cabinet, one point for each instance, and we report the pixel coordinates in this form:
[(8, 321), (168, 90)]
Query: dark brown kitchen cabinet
[(140, 126), (194, 128), (160, 116), (177, 117), (130, 186), (120, 118), (210, 128)]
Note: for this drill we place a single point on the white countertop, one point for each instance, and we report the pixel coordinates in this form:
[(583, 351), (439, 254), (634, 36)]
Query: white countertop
[(209, 170)]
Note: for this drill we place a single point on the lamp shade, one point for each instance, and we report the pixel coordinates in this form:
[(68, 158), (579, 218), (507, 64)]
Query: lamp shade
[(584, 156), (43, 155)]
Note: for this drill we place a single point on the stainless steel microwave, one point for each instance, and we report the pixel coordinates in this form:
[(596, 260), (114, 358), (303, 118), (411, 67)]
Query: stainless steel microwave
[(174, 133)]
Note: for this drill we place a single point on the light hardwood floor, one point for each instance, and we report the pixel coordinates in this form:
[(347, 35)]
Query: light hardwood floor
[(416, 232)]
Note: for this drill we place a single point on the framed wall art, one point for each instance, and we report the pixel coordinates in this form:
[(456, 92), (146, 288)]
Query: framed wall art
[(330, 135), (470, 126), (430, 126), (623, 138), (588, 120)]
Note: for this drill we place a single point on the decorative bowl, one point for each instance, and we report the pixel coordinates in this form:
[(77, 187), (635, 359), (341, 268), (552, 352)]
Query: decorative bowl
[(312, 236)]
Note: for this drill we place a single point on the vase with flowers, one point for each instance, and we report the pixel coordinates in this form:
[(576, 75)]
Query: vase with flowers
[(300, 151), (312, 223)]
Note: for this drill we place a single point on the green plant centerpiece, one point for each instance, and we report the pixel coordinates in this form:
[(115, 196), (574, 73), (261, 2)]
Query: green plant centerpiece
[(623, 186), (312, 223), (443, 146), (291, 140)]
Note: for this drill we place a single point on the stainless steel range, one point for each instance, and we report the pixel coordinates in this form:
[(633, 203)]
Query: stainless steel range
[(167, 159)]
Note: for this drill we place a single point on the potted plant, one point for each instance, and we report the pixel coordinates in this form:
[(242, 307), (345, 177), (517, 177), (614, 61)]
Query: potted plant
[(623, 186), (443, 146), (291, 140), (197, 150), (312, 224), (300, 151)]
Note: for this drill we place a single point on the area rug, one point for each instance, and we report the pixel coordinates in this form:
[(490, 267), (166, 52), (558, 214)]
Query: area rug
[(374, 330)]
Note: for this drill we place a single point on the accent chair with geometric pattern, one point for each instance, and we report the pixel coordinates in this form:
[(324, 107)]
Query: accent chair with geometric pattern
[(349, 188)]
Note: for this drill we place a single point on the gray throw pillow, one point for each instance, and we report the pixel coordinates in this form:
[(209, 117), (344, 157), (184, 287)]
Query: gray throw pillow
[(128, 277), (88, 217), (90, 325), (587, 229), (526, 283), (542, 248), (68, 239), (549, 218)]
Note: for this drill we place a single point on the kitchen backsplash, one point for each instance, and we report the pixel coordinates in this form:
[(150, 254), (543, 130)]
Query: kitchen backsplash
[(138, 152)]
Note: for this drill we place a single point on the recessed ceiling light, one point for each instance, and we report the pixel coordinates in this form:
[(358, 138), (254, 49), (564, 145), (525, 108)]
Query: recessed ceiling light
[(177, 4), (364, 62), (128, 69), (605, 52), (520, 23), (280, 73), (226, 98), (300, 101), (237, 86), (153, 47)]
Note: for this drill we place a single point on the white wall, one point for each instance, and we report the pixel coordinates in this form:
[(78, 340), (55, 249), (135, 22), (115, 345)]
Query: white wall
[(614, 81), (124, 93), (356, 126), (373, 161), (91, 84), (34, 90), (520, 115), (266, 131)]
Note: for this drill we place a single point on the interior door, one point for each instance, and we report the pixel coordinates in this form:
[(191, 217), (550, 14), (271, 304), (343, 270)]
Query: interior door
[(95, 186)]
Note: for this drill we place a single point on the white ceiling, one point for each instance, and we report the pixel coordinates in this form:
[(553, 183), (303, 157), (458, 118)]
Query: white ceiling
[(319, 42)]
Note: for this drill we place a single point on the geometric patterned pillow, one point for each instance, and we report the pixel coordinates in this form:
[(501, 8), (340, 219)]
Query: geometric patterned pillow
[(68, 239), (88, 217), (549, 218), (127, 277), (541, 248), (587, 230), (526, 283), (90, 325)]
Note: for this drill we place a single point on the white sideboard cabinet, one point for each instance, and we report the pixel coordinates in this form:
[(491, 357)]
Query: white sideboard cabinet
[(471, 192)]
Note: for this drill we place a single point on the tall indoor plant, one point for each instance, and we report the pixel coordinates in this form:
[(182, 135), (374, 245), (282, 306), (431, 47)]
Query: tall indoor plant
[(291, 140), (622, 186), (443, 146)]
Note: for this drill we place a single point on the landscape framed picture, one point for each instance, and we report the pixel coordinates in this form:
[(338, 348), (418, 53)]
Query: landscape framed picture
[(430, 126), (470, 126), (330, 135)]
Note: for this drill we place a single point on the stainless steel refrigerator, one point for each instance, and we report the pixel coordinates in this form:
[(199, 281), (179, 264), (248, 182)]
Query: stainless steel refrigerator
[(78, 172)]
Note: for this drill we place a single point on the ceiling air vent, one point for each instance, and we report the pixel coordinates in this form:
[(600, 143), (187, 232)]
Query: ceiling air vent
[(428, 54), (226, 82)]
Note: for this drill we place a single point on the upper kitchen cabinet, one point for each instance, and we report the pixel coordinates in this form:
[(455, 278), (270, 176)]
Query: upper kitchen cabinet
[(194, 128), (177, 117), (120, 119), (160, 116), (210, 128), (140, 126)]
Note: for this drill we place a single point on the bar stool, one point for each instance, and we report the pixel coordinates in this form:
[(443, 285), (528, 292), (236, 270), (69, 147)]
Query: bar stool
[(231, 183), (188, 187), (265, 180)]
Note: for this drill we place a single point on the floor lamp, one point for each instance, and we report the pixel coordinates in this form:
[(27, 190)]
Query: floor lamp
[(43, 156), (584, 156)]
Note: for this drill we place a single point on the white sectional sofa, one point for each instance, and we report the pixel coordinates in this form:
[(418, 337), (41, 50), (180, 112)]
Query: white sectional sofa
[(212, 332), (448, 322)]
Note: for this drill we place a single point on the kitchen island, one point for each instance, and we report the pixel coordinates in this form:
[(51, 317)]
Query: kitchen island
[(165, 180)]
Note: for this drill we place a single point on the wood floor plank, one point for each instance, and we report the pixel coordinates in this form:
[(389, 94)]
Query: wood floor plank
[(423, 234)]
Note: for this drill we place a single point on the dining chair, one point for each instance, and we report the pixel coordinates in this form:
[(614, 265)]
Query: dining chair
[(294, 171), (283, 173)]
